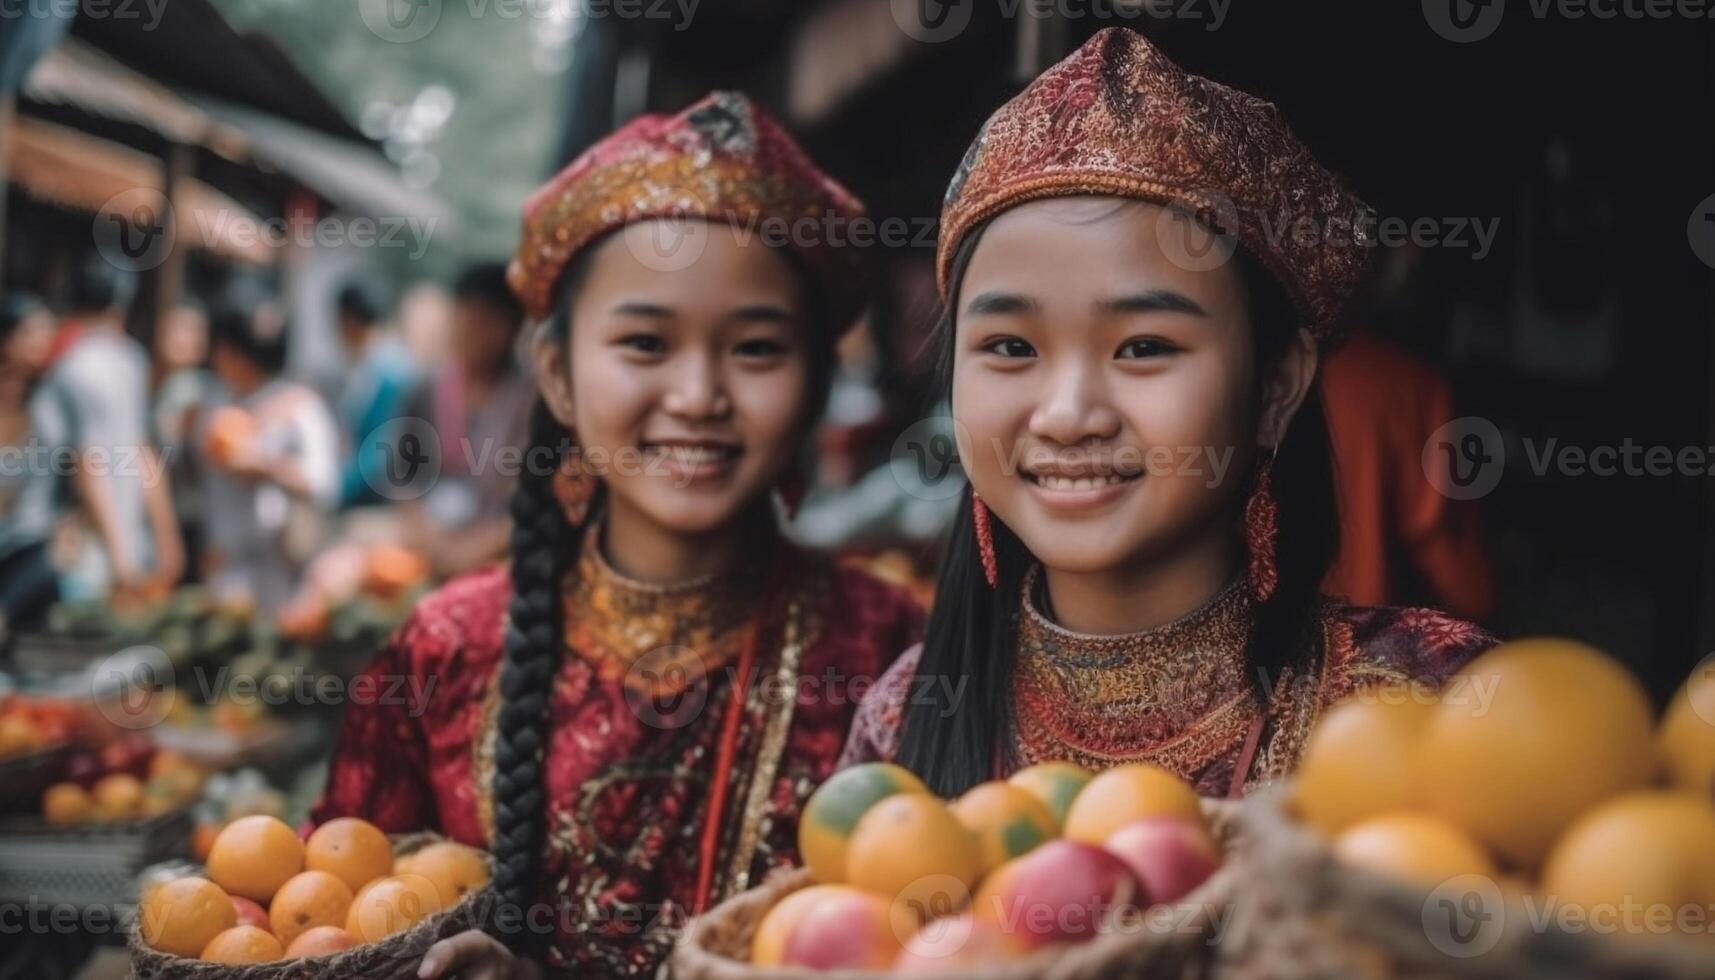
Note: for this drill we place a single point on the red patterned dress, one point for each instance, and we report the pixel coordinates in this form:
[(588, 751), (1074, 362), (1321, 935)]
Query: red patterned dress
[(1180, 695), (638, 708)]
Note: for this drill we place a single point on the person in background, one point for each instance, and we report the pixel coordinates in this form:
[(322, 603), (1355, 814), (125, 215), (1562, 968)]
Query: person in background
[(184, 384), (376, 390), (479, 404), (128, 546), (1400, 534), (28, 485), (272, 452)]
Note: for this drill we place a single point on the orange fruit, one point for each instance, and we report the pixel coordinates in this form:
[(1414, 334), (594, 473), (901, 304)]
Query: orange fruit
[(182, 916), (1686, 739), (1006, 820), (1126, 793), (254, 856), (1529, 736), (1637, 863), (768, 946), (1056, 784), (390, 569), (118, 796), (19, 735), (392, 905), (354, 850), (1358, 761), (1421, 848), (833, 811), (66, 803), (910, 850), (307, 900), (229, 428), (320, 941), (455, 869), (202, 840), (242, 944)]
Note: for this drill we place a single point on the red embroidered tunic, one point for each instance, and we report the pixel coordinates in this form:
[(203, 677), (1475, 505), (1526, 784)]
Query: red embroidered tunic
[(627, 769)]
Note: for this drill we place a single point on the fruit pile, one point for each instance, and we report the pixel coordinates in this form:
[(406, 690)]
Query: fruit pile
[(1054, 855), (270, 896), (127, 780), (1539, 767)]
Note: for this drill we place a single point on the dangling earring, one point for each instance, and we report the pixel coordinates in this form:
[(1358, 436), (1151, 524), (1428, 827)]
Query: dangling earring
[(574, 486), (791, 493), (985, 538), (1261, 526)]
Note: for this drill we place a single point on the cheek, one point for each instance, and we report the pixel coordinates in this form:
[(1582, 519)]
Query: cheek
[(610, 397), (991, 410), (767, 409)]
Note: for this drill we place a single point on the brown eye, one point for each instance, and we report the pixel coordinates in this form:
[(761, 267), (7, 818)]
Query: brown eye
[(760, 347), (1010, 347), (643, 343), (1143, 347)]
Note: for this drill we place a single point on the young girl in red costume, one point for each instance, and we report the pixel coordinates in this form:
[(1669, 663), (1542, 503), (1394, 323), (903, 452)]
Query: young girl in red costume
[(632, 713), (1141, 270)]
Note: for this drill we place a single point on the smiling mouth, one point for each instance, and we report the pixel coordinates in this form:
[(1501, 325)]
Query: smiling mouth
[(1073, 484), (693, 455)]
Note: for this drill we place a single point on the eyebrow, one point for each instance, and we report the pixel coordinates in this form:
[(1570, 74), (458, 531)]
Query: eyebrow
[(642, 308), (1152, 301), (1001, 304), (765, 313)]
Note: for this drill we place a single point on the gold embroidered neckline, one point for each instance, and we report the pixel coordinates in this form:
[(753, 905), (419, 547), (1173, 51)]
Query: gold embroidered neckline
[(1176, 694)]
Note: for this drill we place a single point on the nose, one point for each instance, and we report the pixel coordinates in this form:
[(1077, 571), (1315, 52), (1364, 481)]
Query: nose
[(697, 390), (1074, 408)]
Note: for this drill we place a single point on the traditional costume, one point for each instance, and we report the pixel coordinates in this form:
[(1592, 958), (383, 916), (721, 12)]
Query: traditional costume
[(688, 723), (1119, 119)]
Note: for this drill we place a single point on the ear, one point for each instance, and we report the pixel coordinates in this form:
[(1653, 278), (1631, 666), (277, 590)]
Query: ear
[(1285, 389), (553, 372)]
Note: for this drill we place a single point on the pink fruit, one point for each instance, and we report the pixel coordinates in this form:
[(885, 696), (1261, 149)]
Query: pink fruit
[(851, 930), (957, 943), (1169, 855), (1062, 891), (250, 913)]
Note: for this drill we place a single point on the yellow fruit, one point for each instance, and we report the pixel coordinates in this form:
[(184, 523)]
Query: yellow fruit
[(825, 829), (354, 850), (1006, 820), (254, 856), (1634, 864), (1415, 847), (66, 803), (243, 944), (117, 797), (909, 849), (391, 905), (1527, 737), (1126, 793), (1056, 784), (307, 900), (455, 869), (182, 916), (1687, 736), (768, 946), (1358, 761)]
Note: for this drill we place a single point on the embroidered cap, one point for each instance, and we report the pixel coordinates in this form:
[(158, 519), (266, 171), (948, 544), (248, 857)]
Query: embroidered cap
[(724, 159), (1118, 118)]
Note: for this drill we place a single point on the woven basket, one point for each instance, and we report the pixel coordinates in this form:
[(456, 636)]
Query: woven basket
[(716, 945), (1306, 915), (393, 958)]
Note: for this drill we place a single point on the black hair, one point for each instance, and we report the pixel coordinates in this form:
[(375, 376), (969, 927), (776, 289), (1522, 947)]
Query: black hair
[(543, 543), (358, 301), (486, 283), (15, 308), (240, 330), (96, 285), (953, 731)]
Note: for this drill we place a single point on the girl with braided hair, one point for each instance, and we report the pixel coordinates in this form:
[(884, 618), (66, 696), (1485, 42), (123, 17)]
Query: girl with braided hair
[(631, 715)]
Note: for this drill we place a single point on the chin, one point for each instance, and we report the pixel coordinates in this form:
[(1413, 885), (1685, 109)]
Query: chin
[(694, 514), (1067, 553)]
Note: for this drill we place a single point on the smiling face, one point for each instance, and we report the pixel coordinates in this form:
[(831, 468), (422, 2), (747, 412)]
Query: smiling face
[(1107, 394), (692, 382)]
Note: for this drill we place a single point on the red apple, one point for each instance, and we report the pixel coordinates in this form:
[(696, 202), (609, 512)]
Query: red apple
[(249, 913), (1063, 891), (1170, 855), (958, 942), (850, 930)]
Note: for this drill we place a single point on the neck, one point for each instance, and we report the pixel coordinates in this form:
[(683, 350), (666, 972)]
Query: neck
[(638, 547), (1140, 595)]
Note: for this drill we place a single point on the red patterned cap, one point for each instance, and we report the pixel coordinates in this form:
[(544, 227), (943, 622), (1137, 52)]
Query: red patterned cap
[(723, 159), (1118, 118)]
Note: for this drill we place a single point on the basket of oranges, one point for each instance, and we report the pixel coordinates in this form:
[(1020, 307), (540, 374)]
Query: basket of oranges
[(1530, 818), (346, 902), (1055, 872)]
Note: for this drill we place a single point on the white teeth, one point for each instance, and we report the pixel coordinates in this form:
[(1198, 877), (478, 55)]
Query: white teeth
[(1067, 483)]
